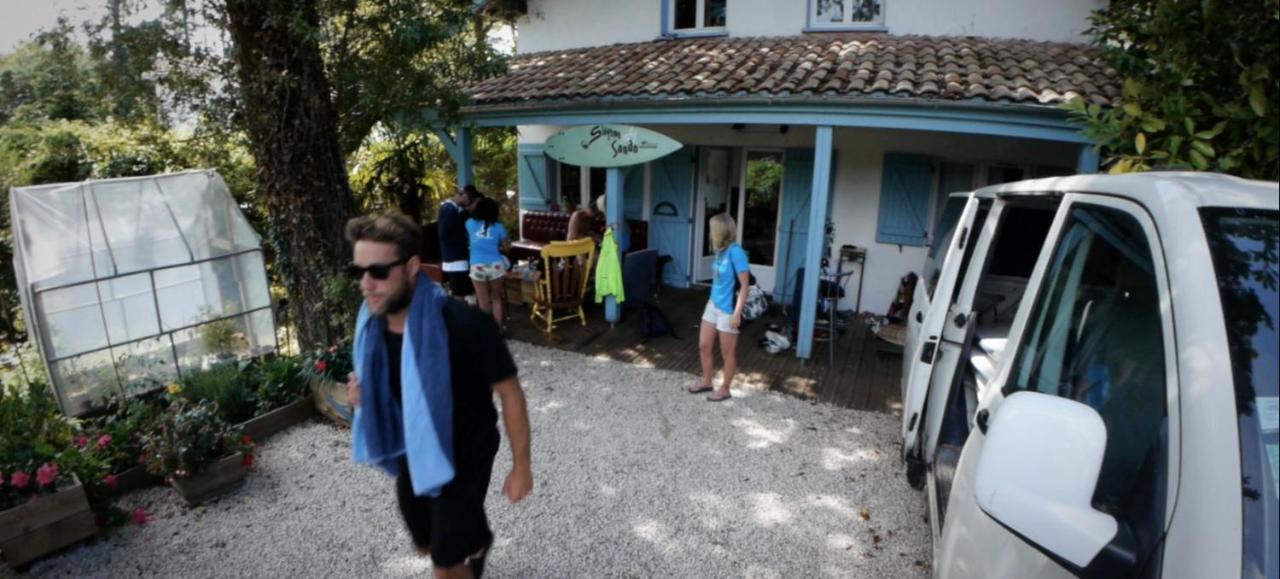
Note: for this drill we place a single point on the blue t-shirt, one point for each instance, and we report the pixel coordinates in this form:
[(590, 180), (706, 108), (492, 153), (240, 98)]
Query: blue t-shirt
[(729, 263), (485, 244)]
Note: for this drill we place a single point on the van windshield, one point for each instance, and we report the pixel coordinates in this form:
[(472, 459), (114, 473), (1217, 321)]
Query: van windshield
[(1244, 245)]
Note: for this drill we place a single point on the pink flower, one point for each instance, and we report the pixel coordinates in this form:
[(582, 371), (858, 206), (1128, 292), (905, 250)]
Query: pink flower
[(82, 440), (320, 366), (19, 479), (46, 474), (111, 482), (140, 517), (333, 349), (104, 441)]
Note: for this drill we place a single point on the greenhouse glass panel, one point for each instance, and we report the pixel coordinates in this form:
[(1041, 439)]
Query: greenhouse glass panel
[(127, 281)]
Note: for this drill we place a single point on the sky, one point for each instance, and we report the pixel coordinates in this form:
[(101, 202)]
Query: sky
[(19, 19)]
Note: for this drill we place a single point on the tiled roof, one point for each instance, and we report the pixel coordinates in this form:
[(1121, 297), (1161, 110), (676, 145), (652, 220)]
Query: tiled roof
[(813, 65)]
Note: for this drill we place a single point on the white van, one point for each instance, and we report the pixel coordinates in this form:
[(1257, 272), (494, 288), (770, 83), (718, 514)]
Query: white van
[(1090, 379)]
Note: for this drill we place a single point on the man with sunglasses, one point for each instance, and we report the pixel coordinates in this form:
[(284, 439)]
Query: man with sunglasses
[(452, 527)]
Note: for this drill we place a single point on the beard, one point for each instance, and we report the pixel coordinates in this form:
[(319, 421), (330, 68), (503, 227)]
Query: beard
[(395, 302)]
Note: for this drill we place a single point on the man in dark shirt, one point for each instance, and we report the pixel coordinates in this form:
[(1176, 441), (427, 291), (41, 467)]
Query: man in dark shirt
[(451, 226), (451, 528)]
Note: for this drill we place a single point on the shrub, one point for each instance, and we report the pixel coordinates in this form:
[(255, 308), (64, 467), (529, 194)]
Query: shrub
[(226, 385), (190, 436)]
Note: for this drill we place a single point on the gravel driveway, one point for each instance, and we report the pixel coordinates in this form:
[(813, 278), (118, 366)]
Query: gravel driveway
[(634, 478)]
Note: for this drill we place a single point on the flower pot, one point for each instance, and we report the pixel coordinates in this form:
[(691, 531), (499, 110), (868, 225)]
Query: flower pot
[(217, 478), (36, 528), (135, 478), (331, 400), (260, 427)]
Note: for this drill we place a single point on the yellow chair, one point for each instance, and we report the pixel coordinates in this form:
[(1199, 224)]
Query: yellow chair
[(563, 283)]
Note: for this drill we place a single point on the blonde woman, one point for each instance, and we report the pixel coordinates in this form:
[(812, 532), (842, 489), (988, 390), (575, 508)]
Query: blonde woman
[(723, 314)]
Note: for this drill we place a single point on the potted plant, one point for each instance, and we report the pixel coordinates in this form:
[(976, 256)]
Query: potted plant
[(328, 370), (43, 506), (196, 451), (282, 393), (116, 437)]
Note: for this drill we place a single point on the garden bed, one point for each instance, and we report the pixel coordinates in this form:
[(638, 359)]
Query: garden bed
[(44, 525)]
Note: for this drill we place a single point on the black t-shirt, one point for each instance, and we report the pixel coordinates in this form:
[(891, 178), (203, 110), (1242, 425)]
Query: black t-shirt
[(478, 359)]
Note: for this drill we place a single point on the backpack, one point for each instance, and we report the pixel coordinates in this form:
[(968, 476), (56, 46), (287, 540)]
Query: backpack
[(654, 324)]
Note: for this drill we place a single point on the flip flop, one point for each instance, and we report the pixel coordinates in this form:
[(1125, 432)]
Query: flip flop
[(700, 389), (718, 397)]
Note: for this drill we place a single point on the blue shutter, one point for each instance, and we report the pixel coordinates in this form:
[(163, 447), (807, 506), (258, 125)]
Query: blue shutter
[(793, 225), (670, 220), (633, 192), (906, 186), (532, 170)]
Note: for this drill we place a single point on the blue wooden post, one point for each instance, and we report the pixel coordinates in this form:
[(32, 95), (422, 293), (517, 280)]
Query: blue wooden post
[(814, 239), (466, 174), (612, 214), (1087, 161)]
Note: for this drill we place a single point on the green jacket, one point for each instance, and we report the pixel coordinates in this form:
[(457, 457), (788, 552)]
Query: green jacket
[(609, 270)]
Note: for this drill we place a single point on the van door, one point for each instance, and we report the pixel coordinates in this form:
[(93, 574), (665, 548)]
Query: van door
[(948, 222), (1095, 327), (930, 318)]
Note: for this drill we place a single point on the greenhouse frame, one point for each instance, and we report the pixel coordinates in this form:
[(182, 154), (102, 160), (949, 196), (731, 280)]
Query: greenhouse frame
[(130, 284)]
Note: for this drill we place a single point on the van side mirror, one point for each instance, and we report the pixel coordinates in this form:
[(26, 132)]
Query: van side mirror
[(1038, 472)]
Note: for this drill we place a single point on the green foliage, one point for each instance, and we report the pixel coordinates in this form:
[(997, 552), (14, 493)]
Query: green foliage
[(334, 363), (125, 421), (35, 443), (1200, 87), (227, 386), (189, 436), (279, 381)]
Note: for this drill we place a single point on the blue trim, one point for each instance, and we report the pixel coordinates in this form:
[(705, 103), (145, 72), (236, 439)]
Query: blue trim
[(814, 240), (696, 34), (612, 215), (664, 29), (1046, 124), (1088, 161)]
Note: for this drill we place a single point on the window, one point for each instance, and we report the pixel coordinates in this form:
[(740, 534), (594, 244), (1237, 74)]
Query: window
[(1096, 335), (760, 214), (694, 16), (845, 14)]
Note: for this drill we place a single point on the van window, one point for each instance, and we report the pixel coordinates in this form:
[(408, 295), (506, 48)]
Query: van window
[(1095, 335), (1022, 234), (1245, 246)]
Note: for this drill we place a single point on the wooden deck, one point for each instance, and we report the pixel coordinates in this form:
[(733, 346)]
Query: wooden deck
[(862, 376)]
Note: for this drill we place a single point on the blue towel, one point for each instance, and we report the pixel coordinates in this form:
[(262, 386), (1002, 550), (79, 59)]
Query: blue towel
[(382, 431)]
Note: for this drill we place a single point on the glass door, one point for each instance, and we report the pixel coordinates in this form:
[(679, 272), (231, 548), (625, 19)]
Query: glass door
[(758, 208), (713, 198)]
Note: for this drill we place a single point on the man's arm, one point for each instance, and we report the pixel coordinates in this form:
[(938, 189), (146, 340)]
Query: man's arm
[(515, 416)]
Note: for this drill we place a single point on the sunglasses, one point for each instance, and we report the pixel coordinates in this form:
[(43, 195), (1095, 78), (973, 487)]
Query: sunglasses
[(378, 271)]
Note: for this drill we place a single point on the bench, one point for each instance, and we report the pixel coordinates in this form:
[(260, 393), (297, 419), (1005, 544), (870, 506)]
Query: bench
[(541, 227)]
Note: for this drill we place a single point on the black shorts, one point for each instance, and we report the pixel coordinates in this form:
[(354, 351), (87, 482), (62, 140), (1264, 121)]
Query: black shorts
[(453, 525), (459, 283)]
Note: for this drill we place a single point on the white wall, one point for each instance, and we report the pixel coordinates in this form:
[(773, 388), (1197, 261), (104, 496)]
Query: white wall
[(859, 159), (561, 24)]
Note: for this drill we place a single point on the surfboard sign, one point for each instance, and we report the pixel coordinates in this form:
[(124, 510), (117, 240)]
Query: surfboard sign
[(609, 146)]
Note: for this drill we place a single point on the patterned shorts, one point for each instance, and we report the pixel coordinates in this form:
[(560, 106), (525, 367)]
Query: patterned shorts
[(488, 271)]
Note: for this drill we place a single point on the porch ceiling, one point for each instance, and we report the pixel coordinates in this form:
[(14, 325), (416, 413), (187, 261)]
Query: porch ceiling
[(812, 67)]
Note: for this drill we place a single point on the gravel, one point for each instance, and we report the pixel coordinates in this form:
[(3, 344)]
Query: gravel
[(633, 477)]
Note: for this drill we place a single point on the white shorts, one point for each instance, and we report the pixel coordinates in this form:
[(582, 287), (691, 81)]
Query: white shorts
[(722, 321)]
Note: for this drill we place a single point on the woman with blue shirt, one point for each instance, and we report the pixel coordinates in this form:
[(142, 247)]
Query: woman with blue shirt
[(723, 314), (487, 237)]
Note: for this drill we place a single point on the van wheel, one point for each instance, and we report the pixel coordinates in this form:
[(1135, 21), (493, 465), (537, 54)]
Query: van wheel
[(915, 472)]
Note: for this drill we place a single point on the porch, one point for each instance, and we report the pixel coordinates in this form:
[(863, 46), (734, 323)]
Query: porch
[(862, 377)]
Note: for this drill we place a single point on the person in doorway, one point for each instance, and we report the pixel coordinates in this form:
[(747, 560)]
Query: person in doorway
[(427, 368), (488, 237), (451, 227), (723, 315), (582, 223)]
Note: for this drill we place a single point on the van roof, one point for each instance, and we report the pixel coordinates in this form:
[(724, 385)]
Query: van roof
[(1198, 189)]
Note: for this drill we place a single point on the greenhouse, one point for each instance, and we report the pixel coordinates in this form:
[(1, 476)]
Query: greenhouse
[(128, 283)]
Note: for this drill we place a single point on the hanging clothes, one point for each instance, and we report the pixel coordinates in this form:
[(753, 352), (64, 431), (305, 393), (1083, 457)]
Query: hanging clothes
[(609, 270)]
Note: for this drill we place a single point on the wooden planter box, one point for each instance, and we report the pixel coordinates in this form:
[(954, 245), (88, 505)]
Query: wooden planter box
[(135, 478), (260, 427), (215, 479), (36, 528)]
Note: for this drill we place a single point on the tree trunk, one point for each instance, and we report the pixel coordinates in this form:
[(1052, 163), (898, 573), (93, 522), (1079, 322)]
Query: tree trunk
[(294, 137)]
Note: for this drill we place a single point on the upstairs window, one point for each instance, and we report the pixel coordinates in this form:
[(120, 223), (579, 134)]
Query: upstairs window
[(846, 14), (685, 17)]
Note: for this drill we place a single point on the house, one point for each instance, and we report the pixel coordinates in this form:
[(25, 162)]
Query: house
[(860, 115)]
